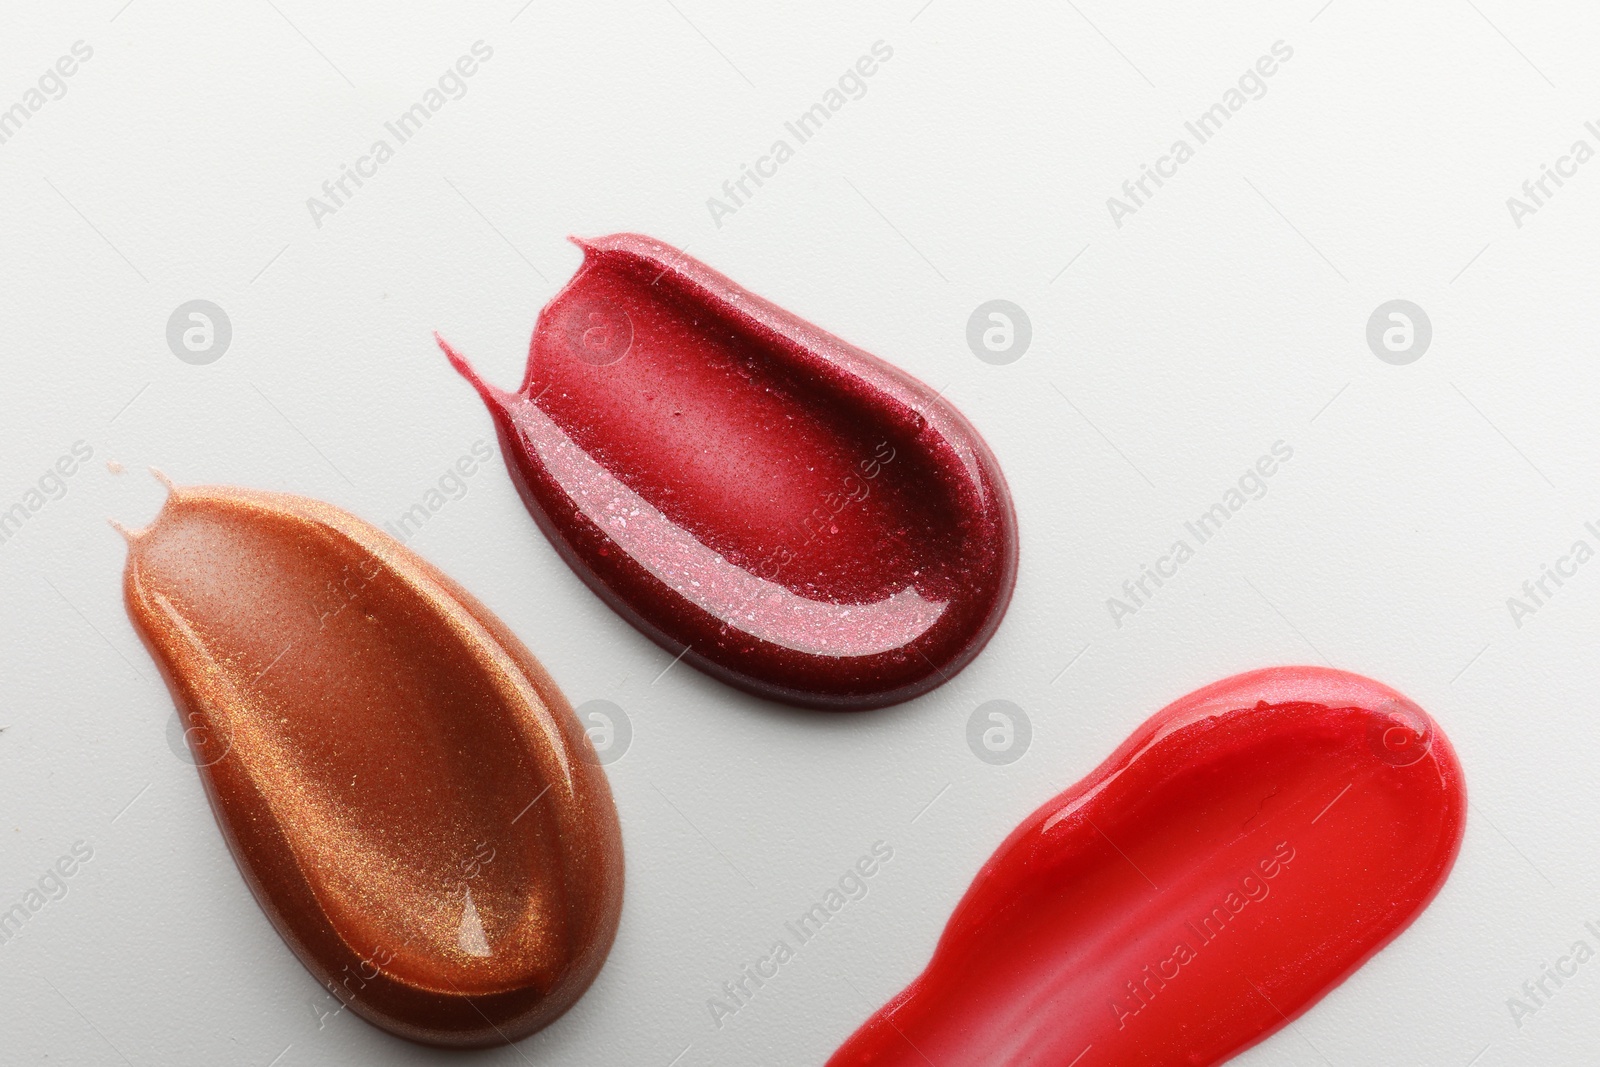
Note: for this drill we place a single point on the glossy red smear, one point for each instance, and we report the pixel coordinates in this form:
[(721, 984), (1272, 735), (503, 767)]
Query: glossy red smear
[(812, 524), (1240, 855)]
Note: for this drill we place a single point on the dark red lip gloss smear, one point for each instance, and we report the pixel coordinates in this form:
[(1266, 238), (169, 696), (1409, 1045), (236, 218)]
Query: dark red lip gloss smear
[(792, 514), (1245, 851)]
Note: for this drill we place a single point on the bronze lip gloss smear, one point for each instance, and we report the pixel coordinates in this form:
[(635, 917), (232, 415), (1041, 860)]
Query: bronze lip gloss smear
[(405, 790)]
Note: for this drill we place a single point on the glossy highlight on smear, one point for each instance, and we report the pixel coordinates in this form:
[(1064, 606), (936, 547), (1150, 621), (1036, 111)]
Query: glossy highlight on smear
[(405, 790), (1245, 851), (788, 512)]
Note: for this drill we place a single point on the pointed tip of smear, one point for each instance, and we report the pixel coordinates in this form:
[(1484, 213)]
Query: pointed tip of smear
[(161, 477), (590, 246), (463, 368), (128, 535)]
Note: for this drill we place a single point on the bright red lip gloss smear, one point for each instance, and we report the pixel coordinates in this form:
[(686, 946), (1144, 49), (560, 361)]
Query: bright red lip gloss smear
[(1245, 851), (792, 514)]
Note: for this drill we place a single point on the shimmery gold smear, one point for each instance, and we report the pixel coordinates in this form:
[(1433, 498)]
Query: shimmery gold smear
[(406, 791)]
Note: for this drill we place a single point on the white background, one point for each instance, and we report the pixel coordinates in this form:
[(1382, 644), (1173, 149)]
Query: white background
[(1227, 314)]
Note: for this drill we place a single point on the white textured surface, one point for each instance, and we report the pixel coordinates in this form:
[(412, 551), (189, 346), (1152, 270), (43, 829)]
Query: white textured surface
[(1227, 314)]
